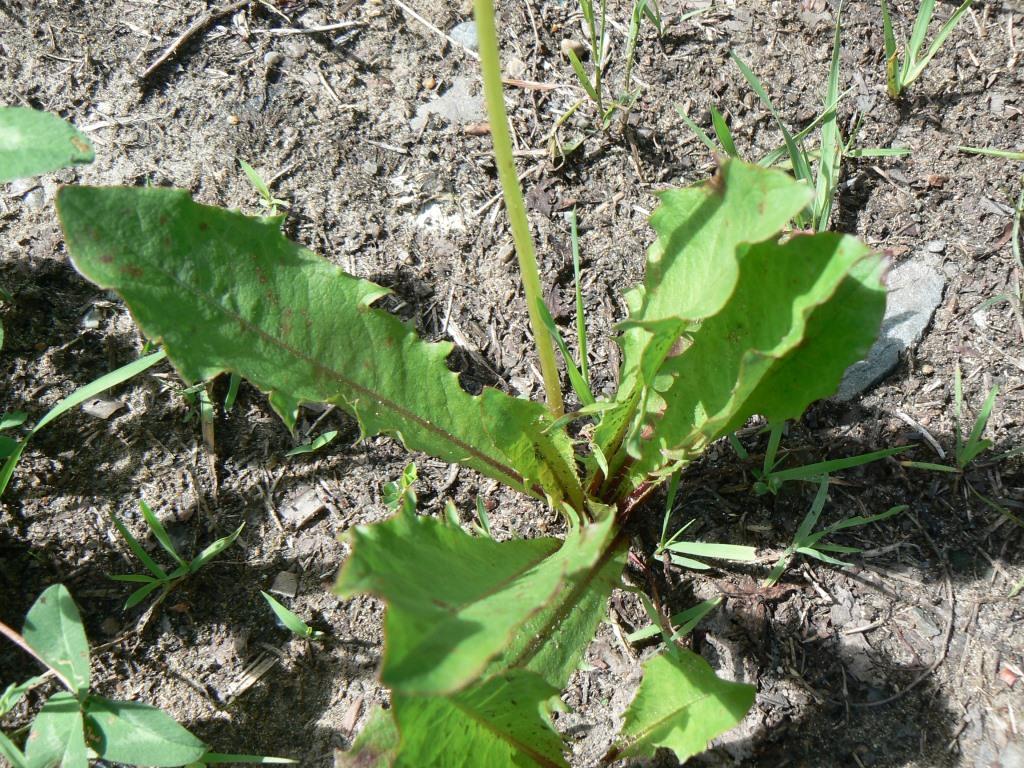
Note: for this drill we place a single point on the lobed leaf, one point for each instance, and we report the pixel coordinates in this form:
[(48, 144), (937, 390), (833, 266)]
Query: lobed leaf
[(444, 625), (552, 641), (34, 142), (681, 704), (502, 722), (227, 292), (53, 629), (692, 269), (802, 312)]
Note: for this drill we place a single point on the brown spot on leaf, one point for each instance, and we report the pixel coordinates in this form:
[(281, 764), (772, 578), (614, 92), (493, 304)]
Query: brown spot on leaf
[(203, 226), (80, 145), (132, 271)]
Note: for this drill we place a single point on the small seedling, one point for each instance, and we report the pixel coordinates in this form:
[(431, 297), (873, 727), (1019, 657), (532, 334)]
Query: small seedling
[(809, 542), (770, 479), (75, 727), (595, 86), (267, 198), (677, 626), (966, 450), (159, 578), (900, 74), (681, 553), (290, 620), (820, 168), (314, 445)]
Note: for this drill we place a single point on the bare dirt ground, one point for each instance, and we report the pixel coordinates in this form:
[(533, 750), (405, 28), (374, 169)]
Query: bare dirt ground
[(910, 658)]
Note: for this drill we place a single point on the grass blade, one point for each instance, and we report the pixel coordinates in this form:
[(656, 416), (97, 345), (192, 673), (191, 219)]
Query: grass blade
[(712, 550), (579, 384), (992, 152), (890, 38), (581, 325), (685, 620), (214, 549), (975, 445), (723, 133), (924, 18), (581, 75), (160, 532), (944, 31), (137, 549), (831, 141), (699, 132), (801, 168), (812, 471), (804, 531), (140, 594), (288, 618)]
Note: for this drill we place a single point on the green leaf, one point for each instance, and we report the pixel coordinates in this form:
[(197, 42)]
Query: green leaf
[(680, 705), (552, 642), (315, 445), (15, 691), (12, 754), (289, 618), (801, 314), (53, 629), (713, 550), (214, 549), (57, 736), (692, 270), (500, 723), (33, 142), (693, 265), (375, 745), (226, 292), (160, 533), (139, 734), (444, 625)]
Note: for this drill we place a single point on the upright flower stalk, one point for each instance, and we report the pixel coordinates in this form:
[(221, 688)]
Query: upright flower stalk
[(490, 63)]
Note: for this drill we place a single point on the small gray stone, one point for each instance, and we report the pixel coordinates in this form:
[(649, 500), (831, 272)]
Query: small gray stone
[(915, 290), (302, 507), (286, 584), (465, 34), (457, 106), (272, 59), (102, 408), (936, 246), (35, 199), (21, 187)]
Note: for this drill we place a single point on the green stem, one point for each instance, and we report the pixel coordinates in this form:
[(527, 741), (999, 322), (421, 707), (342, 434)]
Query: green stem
[(494, 97)]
